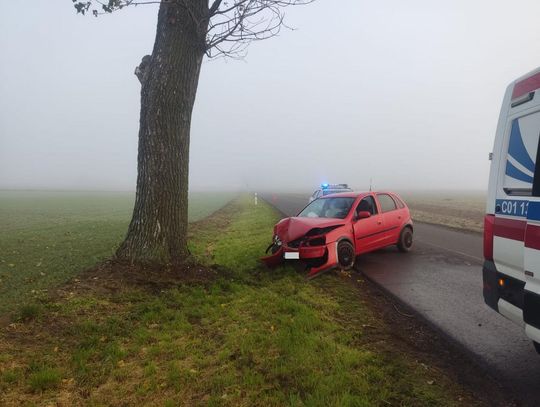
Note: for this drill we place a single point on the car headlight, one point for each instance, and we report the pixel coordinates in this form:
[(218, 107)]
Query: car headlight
[(277, 240)]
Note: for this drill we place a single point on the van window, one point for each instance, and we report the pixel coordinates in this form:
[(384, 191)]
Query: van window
[(521, 155), (387, 203)]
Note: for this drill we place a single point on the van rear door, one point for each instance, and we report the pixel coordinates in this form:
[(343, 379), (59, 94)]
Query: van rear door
[(514, 192), (524, 154), (531, 296)]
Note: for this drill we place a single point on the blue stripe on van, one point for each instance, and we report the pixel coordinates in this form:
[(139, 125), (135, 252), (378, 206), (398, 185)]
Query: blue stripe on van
[(517, 149), (513, 172), (533, 212), (511, 207)]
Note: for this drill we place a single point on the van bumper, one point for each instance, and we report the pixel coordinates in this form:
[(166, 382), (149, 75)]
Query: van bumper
[(491, 288), (531, 309), (499, 286)]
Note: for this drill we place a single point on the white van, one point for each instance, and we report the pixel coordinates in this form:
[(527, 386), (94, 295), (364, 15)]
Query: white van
[(511, 271)]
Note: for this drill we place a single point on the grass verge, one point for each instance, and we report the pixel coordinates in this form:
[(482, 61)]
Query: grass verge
[(249, 336)]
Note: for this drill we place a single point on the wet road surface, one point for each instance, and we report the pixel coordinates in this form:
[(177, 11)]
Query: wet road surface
[(441, 279)]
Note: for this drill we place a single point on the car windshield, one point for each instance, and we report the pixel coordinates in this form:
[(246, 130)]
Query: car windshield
[(337, 207)]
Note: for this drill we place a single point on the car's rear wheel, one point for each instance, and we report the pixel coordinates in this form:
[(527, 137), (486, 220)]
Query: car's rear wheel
[(405, 241), (346, 255), (536, 347)]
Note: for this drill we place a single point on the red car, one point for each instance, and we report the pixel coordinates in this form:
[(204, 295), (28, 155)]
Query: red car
[(332, 230)]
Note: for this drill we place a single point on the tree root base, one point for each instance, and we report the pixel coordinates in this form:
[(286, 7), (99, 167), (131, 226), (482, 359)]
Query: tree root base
[(113, 276)]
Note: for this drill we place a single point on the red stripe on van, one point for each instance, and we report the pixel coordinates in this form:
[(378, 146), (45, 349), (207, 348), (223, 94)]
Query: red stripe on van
[(532, 237), (526, 85), (509, 228)]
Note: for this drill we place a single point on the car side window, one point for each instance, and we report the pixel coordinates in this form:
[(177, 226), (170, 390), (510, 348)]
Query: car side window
[(387, 203), (399, 202), (367, 204)]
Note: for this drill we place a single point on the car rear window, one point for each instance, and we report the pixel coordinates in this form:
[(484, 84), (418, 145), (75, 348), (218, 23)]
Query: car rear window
[(399, 202), (387, 203)]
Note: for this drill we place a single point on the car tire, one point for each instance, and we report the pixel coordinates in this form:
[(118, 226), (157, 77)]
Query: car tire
[(536, 347), (405, 241), (346, 255)]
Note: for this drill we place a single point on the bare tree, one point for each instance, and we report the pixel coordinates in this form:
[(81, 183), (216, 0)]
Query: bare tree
[(187, 30)]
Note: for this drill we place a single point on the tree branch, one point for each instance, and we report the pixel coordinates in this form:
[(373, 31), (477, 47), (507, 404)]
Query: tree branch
[(226, 27), (214, 7), (233, 27)]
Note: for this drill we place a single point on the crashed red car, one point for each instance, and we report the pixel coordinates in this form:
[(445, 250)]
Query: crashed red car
[(331, 231)]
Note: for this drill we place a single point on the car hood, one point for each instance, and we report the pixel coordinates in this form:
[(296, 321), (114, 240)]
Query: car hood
[(289, 229)]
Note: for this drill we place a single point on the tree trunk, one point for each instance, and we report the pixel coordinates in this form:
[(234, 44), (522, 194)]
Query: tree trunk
[(157, 233)]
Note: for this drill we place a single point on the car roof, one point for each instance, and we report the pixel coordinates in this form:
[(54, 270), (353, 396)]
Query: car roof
[(356, 194)]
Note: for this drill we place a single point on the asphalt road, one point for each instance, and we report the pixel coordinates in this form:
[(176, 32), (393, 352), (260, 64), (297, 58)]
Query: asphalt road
[(441, 279)]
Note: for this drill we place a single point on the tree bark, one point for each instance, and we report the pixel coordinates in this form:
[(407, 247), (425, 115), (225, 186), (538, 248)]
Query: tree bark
[(157, 233)]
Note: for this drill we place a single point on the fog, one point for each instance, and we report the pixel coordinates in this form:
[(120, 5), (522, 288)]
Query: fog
[(404, 93)]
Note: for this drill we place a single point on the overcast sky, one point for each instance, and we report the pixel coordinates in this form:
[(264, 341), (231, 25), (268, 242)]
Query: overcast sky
[(404, 92)]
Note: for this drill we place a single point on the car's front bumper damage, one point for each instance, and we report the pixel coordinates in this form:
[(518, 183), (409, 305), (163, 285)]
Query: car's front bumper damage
[(317, 258)]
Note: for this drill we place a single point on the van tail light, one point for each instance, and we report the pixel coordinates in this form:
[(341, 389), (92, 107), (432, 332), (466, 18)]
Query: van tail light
[(489, 221)]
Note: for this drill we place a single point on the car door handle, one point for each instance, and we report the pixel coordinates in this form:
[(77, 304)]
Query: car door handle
[(379, 222)]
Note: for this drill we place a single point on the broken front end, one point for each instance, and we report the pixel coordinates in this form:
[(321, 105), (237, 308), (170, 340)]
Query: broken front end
[(299, 239)]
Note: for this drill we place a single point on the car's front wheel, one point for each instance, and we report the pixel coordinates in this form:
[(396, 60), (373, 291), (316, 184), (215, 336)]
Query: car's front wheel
[(405, 241), (346, 255)]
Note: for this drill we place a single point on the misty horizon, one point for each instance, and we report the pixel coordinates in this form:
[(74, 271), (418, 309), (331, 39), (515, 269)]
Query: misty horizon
[(408, 95)]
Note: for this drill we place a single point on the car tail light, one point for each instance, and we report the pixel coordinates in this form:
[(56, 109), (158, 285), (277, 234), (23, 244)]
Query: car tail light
[(489, 221)]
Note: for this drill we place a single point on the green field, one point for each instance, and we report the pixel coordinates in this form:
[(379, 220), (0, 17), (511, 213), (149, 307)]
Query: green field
[(247, 337), (456, 209), (48, 237)]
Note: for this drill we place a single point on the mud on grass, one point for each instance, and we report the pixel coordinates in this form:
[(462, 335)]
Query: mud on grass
[(113, 276)]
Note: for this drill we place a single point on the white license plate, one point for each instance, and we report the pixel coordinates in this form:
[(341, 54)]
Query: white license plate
[(291, 255)]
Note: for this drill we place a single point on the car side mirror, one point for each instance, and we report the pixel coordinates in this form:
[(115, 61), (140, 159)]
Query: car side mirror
[(363, 215)]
